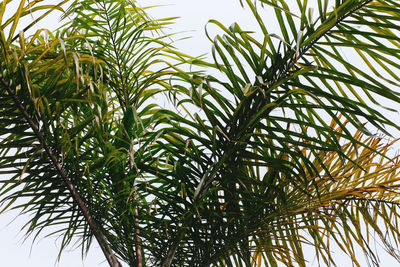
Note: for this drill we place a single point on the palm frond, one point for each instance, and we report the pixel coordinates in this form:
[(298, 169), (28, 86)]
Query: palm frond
[(266, 121)]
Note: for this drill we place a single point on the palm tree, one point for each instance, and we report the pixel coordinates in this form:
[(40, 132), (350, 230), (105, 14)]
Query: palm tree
[(246, 168)]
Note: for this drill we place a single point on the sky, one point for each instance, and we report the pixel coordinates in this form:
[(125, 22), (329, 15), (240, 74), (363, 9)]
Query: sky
[(16, 252)]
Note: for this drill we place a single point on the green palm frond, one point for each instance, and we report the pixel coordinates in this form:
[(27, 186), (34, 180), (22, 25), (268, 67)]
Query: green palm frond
[(41, 93), (271, 106), (70, 120)]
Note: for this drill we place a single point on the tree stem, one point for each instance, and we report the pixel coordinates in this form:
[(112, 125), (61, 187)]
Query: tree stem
[(138, 240)]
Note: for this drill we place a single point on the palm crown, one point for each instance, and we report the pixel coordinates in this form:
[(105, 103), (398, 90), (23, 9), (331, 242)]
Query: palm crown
[(239, 169)]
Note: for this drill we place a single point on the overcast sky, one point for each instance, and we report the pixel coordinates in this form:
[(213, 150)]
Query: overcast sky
[(194, 16)]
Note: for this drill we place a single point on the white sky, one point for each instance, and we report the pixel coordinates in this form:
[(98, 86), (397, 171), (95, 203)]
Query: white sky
[(194, 15)]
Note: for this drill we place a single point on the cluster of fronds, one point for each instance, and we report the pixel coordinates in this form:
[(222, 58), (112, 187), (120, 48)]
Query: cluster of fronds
[(244, 170)]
